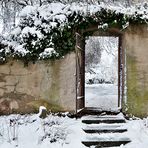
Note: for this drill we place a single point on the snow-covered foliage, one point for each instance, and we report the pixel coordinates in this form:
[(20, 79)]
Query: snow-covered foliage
[(53, 26), (28, 131)]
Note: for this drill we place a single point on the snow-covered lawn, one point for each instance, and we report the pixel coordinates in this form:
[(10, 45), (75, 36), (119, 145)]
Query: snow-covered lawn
[(104, 96), (29, 131)]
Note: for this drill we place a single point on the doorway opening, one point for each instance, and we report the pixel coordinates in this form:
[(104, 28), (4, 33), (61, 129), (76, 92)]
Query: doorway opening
[(101, 72)]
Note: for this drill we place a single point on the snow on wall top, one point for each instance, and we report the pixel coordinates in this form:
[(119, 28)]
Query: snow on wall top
[(37, 24)]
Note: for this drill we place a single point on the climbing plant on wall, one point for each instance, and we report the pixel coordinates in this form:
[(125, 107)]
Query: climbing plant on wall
[(48, 32)]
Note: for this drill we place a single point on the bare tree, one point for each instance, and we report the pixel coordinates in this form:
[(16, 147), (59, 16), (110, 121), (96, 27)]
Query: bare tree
[(92, 51)]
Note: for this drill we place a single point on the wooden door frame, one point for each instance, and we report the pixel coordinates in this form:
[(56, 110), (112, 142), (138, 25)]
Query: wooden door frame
[(121, 63), (80, 72)]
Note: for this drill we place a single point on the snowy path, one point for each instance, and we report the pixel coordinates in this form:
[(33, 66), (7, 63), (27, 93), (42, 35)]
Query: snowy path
[(102, 132), (104, 96)]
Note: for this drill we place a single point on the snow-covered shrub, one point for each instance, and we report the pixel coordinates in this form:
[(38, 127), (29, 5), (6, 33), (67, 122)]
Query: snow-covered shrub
[(52, 129), (15, 129), (9, 130)]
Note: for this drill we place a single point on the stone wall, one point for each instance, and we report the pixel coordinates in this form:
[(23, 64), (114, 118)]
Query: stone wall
[(50, 83), (136, 44), (53, 83)]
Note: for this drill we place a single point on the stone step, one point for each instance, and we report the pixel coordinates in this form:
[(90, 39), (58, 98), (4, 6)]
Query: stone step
[(111, 130), (97, 111), (104, 130), (98, 120), (104, 142)]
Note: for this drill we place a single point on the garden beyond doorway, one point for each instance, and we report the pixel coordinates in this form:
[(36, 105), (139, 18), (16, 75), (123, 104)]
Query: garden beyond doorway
[(101, 72)]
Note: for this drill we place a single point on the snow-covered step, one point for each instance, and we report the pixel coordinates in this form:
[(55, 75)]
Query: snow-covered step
[(98, 111), (106, 142), (119, 116), (100, 119), (105, 125), (105, 129)]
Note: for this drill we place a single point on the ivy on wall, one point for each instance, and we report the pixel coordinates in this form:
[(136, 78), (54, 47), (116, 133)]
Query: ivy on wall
[(56, 31)]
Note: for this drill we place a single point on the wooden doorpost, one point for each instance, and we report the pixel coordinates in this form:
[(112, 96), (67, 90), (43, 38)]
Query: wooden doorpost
[(80, 72)]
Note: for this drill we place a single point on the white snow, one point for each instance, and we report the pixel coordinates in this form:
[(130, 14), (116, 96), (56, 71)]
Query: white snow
[(103, 96), (138, 133), (48, 52), (28, 131), (41, 108), (104, 26), (32, 31), (28, 10), (1, 27), (20, 50), (16, 31)]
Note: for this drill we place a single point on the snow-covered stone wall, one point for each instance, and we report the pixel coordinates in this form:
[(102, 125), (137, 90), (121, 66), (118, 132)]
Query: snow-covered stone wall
[(49, 83)]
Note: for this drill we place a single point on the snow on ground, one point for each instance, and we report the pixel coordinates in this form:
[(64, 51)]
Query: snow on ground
[(28, 131), (104, 96), (138, 133)]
